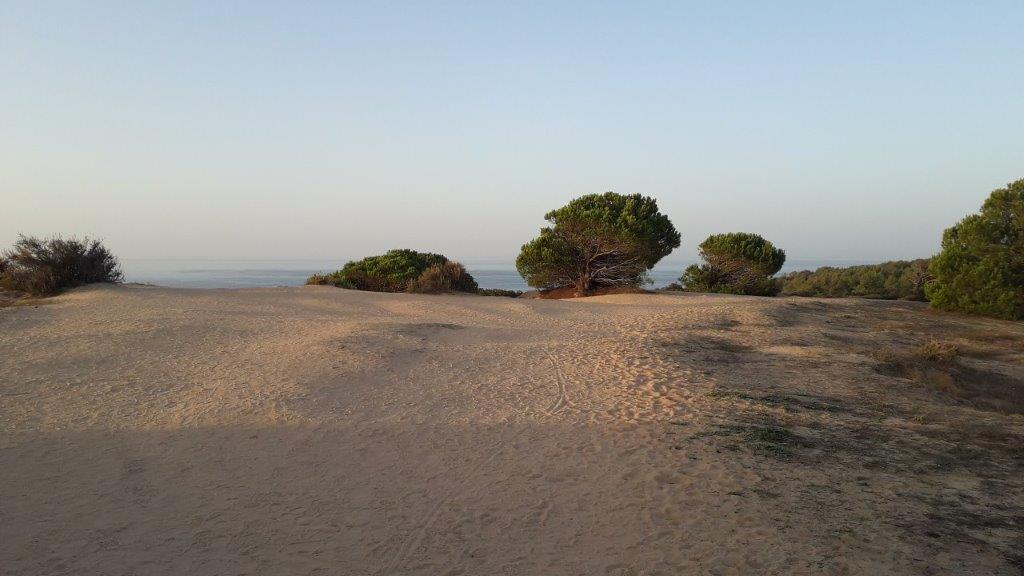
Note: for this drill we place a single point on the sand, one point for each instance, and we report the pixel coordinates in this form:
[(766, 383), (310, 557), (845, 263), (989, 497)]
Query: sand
[(315, 430)]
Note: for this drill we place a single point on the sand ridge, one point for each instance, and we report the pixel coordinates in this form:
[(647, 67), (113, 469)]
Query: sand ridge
[(315, 430)]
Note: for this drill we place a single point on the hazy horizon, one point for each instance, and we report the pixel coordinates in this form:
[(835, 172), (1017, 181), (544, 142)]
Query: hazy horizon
[(248, 273), (241, 132)]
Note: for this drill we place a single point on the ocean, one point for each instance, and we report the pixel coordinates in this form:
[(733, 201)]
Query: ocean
[(263, 273)]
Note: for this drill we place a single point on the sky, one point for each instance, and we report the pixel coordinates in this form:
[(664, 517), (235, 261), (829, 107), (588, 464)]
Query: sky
[(292, 130)]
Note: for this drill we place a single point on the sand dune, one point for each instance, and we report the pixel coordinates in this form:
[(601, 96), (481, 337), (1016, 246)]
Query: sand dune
[(322, 431)]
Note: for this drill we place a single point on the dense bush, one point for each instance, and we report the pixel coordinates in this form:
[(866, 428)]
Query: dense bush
[(898, 280), (400, 271), (735, 263), (980, 269), (598, 240), (46, 266), (447, 277)]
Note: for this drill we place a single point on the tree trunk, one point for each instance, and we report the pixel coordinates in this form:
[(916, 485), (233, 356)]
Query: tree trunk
[(583, 284)]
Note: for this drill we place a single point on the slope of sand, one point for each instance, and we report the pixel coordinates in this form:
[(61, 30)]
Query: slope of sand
[(322, 431)]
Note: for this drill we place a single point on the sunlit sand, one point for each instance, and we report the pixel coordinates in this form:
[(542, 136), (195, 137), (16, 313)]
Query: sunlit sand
[(315, 430)]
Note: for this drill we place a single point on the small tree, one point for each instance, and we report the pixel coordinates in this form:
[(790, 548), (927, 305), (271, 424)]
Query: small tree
[(598, 240), (735, 263), (980, 269)]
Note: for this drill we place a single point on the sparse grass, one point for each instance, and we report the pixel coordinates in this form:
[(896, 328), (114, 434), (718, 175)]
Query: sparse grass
[(770, 440), (426, 328), (936, 351), (937, 366), (938, 426), (12, 299), (989, 336), (958, 516), (933, 351), (792, 403), (767, 439), (441, 325), (709, 349)]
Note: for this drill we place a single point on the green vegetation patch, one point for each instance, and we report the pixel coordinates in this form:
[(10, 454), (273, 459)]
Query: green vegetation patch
[(980, 269), (896, 280), (500, 292), (401, 271), (598, 241), (735, 263)]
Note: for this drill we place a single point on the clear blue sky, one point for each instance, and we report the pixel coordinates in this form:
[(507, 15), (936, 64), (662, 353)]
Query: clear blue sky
[(857, 130)]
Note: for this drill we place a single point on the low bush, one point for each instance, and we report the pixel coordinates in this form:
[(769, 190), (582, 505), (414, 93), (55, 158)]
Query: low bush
[(440, 278), (898, 280), (336, 279), (42, 267), (319, 280), (400, 271)]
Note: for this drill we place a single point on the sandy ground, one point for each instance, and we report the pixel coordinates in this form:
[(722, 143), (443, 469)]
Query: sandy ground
[(315, 430)]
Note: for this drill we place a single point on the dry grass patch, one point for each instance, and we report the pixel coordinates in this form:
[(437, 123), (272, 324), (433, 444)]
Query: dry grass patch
[(11, 299), (937, 366)]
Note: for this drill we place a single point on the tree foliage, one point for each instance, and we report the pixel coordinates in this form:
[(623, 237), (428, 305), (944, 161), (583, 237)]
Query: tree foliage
[(980, 269), (735, 263), (897, 280), (46, 266), (400, 271), (598, 240)]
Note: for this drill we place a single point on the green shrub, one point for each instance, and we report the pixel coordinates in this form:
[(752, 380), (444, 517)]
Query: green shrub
[(399, 271), (897, 280), (980, 269), (43, 267), (735, 263), (499, 292), (336, 279), (440, 278), (318, 280), (598, 240)]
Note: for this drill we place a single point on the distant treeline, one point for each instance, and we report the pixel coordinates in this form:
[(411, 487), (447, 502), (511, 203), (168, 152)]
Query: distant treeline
[(897, 280), (602, 242)]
